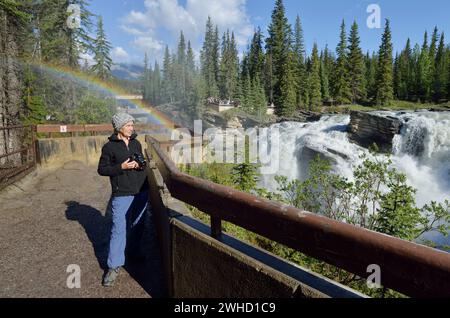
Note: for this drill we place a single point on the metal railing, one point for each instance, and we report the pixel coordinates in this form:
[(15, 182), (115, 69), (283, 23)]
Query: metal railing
[(16, 163), (409, 268), (76, 130)]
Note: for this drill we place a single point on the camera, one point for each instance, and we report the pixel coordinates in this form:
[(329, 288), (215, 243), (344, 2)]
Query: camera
[(140, 160)]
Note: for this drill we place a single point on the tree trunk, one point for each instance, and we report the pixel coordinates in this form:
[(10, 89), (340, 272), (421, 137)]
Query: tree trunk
[(2, 84), (11, 89)]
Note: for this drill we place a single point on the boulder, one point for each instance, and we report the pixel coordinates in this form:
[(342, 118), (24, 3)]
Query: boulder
[(300, 116), (366, 129), (234, 123)]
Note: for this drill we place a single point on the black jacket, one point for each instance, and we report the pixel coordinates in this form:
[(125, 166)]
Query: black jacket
[(123, 182)]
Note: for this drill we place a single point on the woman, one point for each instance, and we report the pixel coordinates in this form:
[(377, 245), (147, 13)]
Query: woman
[(129, 192)]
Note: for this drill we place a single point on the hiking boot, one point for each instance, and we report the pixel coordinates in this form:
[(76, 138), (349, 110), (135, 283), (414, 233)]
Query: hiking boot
[(110, 277)]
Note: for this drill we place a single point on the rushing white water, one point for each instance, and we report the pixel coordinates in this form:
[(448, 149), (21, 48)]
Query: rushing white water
[(421, 151)]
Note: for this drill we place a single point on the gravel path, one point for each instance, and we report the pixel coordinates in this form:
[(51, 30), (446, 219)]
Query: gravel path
[(51, 220)]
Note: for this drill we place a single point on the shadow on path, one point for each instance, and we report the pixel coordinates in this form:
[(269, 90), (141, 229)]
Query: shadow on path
[(146, 271)]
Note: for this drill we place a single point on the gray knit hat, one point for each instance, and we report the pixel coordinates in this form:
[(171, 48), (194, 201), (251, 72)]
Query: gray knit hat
[(121, 119)]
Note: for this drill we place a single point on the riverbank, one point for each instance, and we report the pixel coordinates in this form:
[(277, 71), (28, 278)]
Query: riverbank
[(395, 106), (238, 118)]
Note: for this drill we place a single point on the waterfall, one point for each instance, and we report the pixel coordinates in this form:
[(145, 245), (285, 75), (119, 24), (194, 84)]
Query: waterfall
[(421, 151)]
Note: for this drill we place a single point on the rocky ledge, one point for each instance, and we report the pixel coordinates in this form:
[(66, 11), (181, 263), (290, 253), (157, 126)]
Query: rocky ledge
[(366, 129)]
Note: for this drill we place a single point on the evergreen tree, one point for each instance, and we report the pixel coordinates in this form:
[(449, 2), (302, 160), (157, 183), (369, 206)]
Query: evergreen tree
[(52, 40), (404, 73), (440, 73), (415, 84), (396, 75), (244, 67), (223, 92), (193, 97), (268, 77), (326, 73), (384, 77), (146, 80), (53, 33), (356, 66), (86, 68), (341, 87), (168, 93), (80, 41), (181, 49), (35, 109), (300, 67), (28, 37), (239, 93), (411, 78), (260, 101), (288, 95), (150, 85), (215, 58), (307, 85), (247, 99), (196, 97), (245, 176), (229, 67), (156, 97), (233, 76), (15, 11), (190, 59), (315, 93), (102, 48), (424, 72), (279, 47), (209, 59), (256, 56), (433, 51), (370, 75), (324, 83), (56, 42), (448, 72), (174, 72), (180, 69)]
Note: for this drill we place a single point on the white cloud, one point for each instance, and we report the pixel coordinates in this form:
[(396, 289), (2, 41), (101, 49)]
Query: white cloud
[(172, 17), (148, 44), (140, 19), (226, 14), (132, 31), (230, 14), (119, 55), (87, 57)]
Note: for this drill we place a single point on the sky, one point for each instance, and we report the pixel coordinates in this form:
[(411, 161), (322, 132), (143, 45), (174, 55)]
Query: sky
[(136, 27)]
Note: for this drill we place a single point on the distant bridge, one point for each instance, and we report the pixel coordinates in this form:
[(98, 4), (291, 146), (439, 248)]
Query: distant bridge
[(129, 97), (138, 113)]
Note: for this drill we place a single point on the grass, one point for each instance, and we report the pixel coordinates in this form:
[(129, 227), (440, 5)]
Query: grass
[(396, 105), (240, 112)]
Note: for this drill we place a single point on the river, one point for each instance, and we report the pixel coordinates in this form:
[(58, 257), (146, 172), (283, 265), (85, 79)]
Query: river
[(421, 151)]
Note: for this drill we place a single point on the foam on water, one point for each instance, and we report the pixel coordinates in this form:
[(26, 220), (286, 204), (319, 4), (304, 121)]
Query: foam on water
[(421, 151)]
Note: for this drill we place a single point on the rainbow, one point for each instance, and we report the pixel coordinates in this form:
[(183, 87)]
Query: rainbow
[(87, 80)]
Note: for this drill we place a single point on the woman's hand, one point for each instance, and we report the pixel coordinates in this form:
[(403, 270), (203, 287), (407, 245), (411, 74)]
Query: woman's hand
[(127, 165)]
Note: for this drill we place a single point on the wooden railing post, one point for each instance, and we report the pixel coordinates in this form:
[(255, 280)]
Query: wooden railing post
[(216, 228)]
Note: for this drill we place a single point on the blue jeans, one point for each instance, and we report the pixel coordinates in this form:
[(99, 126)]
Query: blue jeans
[(127, 223)]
